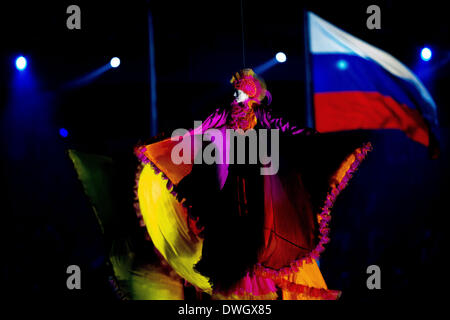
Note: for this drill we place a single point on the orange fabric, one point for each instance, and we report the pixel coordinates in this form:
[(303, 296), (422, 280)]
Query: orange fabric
[(305, 283), (308, 275), (160, 153)]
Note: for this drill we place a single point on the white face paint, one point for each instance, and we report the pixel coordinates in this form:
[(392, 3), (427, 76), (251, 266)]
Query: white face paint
[(240, 96)]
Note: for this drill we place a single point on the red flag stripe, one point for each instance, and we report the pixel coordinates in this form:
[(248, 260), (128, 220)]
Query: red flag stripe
[(353, 110)]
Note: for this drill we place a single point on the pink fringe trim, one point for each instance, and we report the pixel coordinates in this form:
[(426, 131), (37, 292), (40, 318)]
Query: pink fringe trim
[(136, 205), (254, 285), (324, 294)]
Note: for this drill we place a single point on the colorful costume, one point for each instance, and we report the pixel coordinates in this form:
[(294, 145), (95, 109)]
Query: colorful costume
[(229, 230)]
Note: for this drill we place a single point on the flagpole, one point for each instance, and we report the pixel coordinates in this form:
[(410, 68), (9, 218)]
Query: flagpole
[(309, 110)]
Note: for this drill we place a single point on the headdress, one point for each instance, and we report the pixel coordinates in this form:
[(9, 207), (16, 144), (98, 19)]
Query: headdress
[(255, 87)]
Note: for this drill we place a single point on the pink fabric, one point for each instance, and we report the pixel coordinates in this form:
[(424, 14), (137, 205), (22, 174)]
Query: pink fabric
[(255, 285)]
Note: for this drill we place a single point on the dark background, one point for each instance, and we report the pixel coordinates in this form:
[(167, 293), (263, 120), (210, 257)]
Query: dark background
[(393, 214)]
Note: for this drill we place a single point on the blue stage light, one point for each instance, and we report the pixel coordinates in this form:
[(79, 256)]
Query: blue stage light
[(281, 57), (342, 64), (426, 54), (21, 63), (63, 132), (115, 62)]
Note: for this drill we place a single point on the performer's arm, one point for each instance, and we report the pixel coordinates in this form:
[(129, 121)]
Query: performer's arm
[(270, 122), (217, 119)]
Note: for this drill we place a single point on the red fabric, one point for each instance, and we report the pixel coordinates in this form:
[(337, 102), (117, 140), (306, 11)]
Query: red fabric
[(289, 221), (340, 111), (276, 251)]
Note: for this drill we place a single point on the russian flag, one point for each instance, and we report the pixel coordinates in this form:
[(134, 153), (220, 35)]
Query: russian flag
[(358, 86)]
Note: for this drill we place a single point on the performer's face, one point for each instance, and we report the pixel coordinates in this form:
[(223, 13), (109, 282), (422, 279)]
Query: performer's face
[(240, 96)]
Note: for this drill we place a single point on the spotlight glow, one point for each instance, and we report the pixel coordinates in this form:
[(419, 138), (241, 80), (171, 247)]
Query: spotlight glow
[(63, 132), (426, 54), (342, 64), (115, 62), (281, 57), (21, 63)]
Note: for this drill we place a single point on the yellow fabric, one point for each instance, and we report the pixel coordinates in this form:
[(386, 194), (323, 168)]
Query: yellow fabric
[(166, 222), (153, 283)]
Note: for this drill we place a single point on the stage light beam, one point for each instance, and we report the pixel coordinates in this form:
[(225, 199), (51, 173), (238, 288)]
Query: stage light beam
[(115, 62), (281, 57), (426, 54), (21, 63)]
